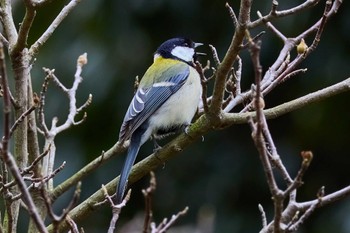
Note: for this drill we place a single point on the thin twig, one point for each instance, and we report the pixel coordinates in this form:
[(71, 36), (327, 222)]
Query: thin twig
[(7, 102), (26, 197), (148, 193), (232, 14), (204, 81), (21, 118), (294, 227), (278, 14), (226, 64), (59, 218), (116, 209), (273, 28), (41, 114), (50, 133), (297, 182), (72, 224), (165, 224), (238, 76), (282, 68), (54, 172), (34, 49), (8, 23), (321, 27), (263, 215), (4, 40), (215, 55), (258, 137), (5, 154), (36, 161), (25, 27)]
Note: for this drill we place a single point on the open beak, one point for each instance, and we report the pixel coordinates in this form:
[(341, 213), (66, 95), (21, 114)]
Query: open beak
[(199, 53)]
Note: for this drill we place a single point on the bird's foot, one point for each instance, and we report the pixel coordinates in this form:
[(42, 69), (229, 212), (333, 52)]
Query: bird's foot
[(156, 147), (186, 129)]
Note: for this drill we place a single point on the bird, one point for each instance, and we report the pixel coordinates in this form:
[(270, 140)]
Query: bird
[(165, 101)]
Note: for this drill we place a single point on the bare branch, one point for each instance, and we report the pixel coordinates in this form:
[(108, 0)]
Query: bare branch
[(57, 219), (55, 129), (86, 104), (282, 69), (307, 158), (165, 224), (82, 60), (215, 55), (271, 113), (22, 117), (36, 161), (105, 156), (41, 114), (34, 49), (7, 102), (54, 172), (263, 216), (116, 209), (274, 13), (8, 22), (25, 27), (273, 28), (26, 197), (72, 224), (227, 62), (4, 40), (295, 226), (232, 15), (204, 81), (327, 199), (148, 193)]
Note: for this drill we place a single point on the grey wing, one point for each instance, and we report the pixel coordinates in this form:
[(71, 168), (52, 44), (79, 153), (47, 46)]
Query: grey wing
[(147, 100)]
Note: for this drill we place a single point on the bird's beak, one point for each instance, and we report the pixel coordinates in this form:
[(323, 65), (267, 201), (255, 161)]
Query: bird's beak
[(199, 53), (197, 44)]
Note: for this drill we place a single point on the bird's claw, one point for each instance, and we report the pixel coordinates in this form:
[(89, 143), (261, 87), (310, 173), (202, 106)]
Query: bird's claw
[(156, 147), (187, 129)]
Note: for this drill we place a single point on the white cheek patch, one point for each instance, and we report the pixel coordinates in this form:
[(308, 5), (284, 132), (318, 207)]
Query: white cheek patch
[(184, 53)]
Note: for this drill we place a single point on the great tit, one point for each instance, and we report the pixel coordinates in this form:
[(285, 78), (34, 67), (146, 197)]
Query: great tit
[(165, 102)]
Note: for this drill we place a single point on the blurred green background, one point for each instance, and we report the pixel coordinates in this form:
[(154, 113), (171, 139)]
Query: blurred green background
[(220, 179)]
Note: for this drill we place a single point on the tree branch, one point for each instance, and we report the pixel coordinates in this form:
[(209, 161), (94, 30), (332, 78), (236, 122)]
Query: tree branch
[(226, 64), (8, 23), (290, 106), (274, 14), (34, 49), (25, 27), (68, 183), (51, 133)]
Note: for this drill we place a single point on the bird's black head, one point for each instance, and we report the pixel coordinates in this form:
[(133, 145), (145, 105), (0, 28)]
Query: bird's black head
[(178, 48)]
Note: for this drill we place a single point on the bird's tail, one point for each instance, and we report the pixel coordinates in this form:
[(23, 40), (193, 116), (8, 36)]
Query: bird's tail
[(129, 161)]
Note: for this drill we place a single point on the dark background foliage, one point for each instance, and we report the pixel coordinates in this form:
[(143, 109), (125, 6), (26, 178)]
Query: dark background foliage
[(222, 175)]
